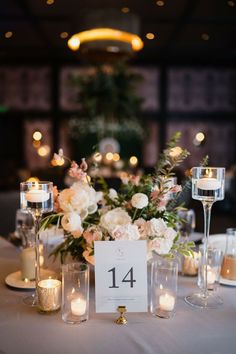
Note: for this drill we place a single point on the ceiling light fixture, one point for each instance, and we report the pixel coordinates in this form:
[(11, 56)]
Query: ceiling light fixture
[(108, 29), (150, 36), (205, 37), (8, 34), (125, 10), (160, 3), (231, 3), (64, 35)]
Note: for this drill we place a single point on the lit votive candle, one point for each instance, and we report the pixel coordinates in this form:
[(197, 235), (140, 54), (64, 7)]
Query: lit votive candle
[(49, 295), (27, 261), (207, 183), (211, 276), (36, 196), (166, 302), (78, 306)]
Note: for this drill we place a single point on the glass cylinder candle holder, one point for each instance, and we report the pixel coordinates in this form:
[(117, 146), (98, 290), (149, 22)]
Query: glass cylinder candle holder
[(164, 275), (212, 268), (75, 292), (228, 270)]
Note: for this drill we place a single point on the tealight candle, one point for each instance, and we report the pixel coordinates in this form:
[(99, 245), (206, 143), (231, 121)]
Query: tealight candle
[(36, 196), (78, 306), (167, 302), (27, 260), (207, 183), (49, 294), (211, 276)]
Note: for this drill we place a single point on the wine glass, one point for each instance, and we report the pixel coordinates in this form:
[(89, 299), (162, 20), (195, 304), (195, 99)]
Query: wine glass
[(37, 198), (207, 187)]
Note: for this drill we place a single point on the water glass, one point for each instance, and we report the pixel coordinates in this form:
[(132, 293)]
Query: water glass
[(164, 275), (75, 292)]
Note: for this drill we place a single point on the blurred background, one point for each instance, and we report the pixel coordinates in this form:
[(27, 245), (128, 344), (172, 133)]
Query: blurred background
[(116, 100)]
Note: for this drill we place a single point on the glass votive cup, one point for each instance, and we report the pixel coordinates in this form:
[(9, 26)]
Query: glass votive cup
[(75, 292), (228, 269), (49, 295), (212, 270), (164, 275), (190, 264)]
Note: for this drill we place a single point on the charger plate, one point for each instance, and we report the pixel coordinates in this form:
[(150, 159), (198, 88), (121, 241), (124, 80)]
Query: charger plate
[(15, 281)]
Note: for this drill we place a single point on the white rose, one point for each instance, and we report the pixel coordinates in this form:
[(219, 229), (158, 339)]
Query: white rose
[(71, 222), (126, 232), (73, 200), (113, 218), (86, 197), (139, 200), (112, 193), (161, 245), (156, 227)]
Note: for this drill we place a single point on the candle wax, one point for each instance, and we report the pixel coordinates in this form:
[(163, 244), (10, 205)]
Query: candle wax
[(208, 183), (78, 306), (36, 196), (166, 302), (27, 260)]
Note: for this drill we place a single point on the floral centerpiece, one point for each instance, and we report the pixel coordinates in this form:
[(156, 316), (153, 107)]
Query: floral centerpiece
[(144, 208)]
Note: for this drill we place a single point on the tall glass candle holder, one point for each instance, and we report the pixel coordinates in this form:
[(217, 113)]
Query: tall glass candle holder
[(207, 187), (75, 292), (164, 275), (37, 198)]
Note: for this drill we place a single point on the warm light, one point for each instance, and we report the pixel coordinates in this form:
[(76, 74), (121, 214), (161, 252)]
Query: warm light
[(125, 10), (73, 43), (8, 34), (109, 156), (97, 157), (44, 150), (50, 2), (205, 37), (36, 144), (133, 160), (100, 34), (150, 35), (200, 137), (231, 3), (116, 157), (176, 151), (37, 135), (33, 179), (160, 3), (64, 35), (59, 162)]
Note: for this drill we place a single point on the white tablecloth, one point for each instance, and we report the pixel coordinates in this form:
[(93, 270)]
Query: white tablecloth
[(191, 331)]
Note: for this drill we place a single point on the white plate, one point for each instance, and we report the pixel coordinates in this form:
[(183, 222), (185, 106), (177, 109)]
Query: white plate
[(196, 236), (15, 280), (224, 281)]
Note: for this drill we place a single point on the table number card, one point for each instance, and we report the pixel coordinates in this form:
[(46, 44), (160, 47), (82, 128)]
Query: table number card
[(121, 275)]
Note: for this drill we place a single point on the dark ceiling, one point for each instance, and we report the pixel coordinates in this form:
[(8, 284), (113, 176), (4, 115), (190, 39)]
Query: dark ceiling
[(185, 30)]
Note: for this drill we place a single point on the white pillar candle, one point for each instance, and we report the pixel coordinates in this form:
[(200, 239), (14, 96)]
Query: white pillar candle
[(206, 183), (36, 196), (166, 302), (49, 294), (78, 306), (27, 261)]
